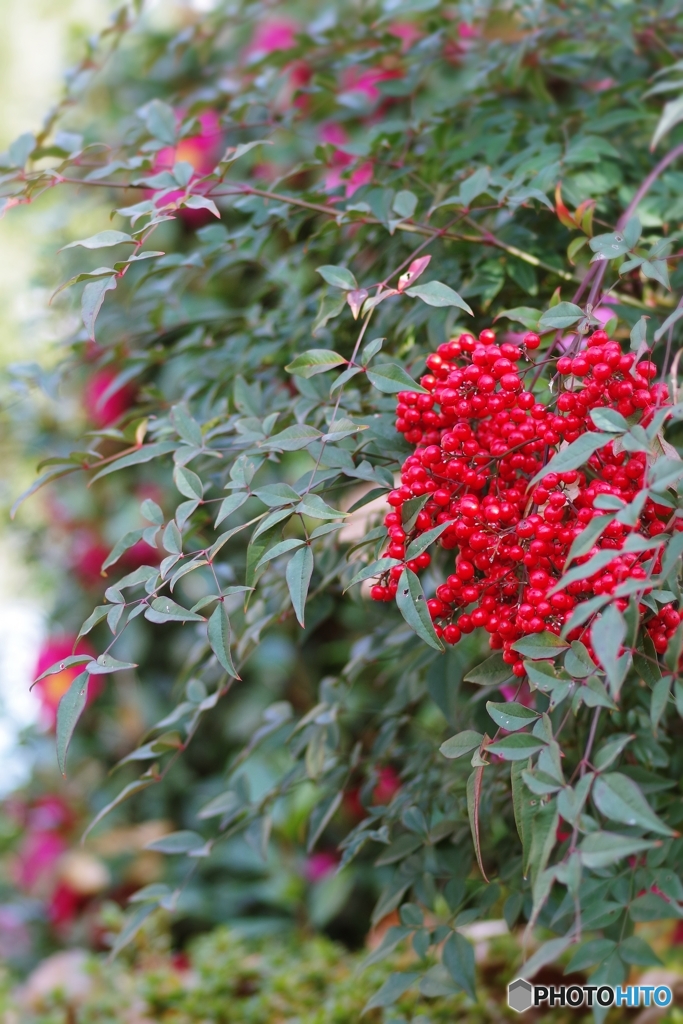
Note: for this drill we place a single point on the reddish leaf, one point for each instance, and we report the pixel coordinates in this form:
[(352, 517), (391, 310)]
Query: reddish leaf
[(563, 214), (416, 268)]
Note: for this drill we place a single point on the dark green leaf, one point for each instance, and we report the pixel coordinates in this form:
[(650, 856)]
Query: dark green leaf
[(392, 378), (219, 633), (461, 744), (69, 711), (316, 360), (298, 575), (411, 603)]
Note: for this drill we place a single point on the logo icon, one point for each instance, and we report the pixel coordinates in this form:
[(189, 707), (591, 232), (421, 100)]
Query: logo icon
[(520, 995)]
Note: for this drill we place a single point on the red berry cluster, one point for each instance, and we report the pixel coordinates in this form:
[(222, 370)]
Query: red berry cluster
[(480, 438)]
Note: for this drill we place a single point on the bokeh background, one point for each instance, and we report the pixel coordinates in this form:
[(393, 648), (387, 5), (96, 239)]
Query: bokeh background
[(39, 40)]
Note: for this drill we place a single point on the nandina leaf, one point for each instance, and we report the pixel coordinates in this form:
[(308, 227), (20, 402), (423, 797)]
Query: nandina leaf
[(621, 799), (392, 378), (574, 455), (510, 715), (298, 575), (540, 645), (316, 360), (338, 277), (474, 785), (70, 709), (461, 744), (435, 293), (600, 849), (516, 747), (563, 214), (219, 634), (411, 603)]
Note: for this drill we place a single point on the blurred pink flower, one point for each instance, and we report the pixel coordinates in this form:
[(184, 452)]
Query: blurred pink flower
[(366, 81), (272, 35), (38, 856), (333, 134), (406, 31), (319, 865), (202, 152), (105, 412)]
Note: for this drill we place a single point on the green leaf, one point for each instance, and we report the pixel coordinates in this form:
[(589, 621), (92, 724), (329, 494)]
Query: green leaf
[(458, 959), (186, 427), (411, 603), (298, 575), (578, 662), (518, 747), (574, 455), (635, 950), (188, 483), (163, 609), (160, 120), (390, 378), (133, 787), (609, 751), (672, 115), (373, 569), (461, 744), (225, 803), (540, 645), (474, 787), (275, 495), (491, 672), (132, 925), (230, 505), (559, 317), (510, 715), (219, 634), (73, 659), (421, 543), (610, 420), (621, 799), (176, 842), (106, 664), (672, 319), (545, 954), (338, 277), (290, 544), (313, 505), (608, 633), (392, 990), (590, 953), (524, 315), (291, 439), (435, 293), (404, 203), (316, 360), (399, 849), (653, 907), (91, 302), (69, 710), (145, 453), (101, 240)]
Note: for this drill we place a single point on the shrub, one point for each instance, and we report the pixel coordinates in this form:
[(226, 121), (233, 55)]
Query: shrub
[(399, 183)]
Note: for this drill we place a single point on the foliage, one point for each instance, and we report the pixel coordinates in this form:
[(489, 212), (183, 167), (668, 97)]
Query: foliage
[(277, 193)]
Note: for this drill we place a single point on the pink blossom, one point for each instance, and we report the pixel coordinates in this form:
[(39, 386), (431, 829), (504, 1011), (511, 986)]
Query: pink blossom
[(366, 81), (525, 696), (104, 413), (202, 152), (406, 31), (334, 134), (319, 865), (38, 856), (271, 36)]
